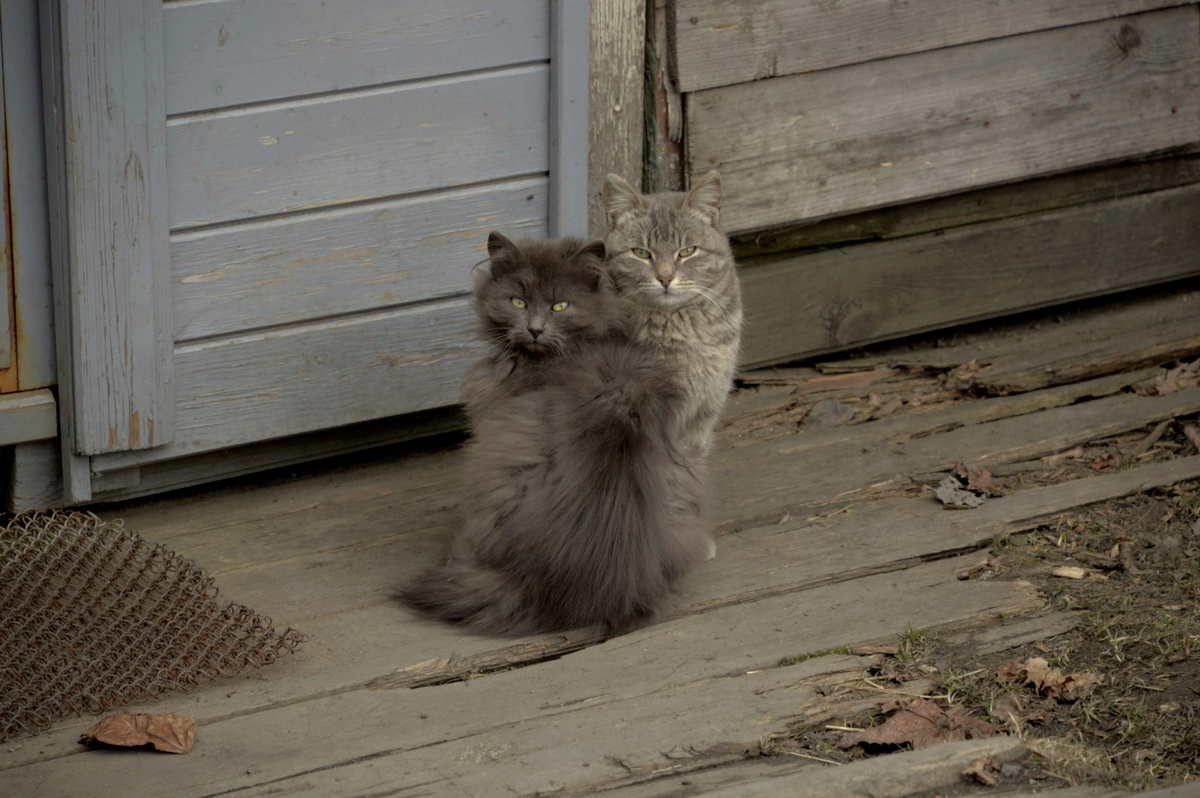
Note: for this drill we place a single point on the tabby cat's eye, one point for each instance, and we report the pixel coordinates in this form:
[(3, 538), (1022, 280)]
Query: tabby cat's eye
[(641, 253), (518, 302), (687, 252), (559, 305)]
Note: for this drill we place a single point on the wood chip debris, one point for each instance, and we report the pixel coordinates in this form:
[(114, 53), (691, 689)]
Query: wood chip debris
[(975, 569), (1193, 435), (1053, 460), (1069, 572)]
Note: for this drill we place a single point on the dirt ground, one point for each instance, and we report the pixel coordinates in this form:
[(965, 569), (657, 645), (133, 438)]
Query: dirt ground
[(1132, 582)]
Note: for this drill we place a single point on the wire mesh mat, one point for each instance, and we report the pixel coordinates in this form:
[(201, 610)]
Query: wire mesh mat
[(93, 616)]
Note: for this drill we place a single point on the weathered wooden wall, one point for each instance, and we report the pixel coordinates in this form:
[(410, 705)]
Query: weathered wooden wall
[(815, 145), (956, 130), (333, 172)]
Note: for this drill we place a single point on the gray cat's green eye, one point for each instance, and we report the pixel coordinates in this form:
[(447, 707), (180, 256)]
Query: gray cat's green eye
[(641, 253), (687, 252), (518, 302), (559, 305)]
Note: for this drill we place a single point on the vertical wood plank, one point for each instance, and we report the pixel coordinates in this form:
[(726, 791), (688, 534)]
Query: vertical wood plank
[(30, 238), (662, 168), (109, 208), (616, 73), (568, 117), (6, 282), (74, 471)]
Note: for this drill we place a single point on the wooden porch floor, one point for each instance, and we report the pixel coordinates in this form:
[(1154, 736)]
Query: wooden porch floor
[(826, 541)]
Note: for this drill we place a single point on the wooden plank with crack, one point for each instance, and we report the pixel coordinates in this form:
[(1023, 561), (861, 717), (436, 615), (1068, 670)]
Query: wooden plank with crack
[(972, 207), (815, 145), (717, 44), (1111, 335), (808, 303), (893, 776), (561, 722), (415, 496), (760, 485), (868, 540)]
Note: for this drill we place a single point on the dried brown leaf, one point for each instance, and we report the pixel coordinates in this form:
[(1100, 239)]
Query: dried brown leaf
[(174, 734), (1049, 680), (978, 478), (1008, 708), (919, 723), (1104, 461), (982, 770), (1078, 685)]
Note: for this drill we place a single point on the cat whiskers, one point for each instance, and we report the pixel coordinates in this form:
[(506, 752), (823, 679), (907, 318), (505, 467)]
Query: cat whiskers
[(708, 294)]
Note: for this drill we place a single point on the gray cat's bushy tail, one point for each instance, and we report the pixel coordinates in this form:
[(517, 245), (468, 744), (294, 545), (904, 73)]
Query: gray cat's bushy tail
[(481, 598)]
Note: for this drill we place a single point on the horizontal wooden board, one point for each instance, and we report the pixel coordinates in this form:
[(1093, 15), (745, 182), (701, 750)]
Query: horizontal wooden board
[(809, 146), (366, 257), (244, 51), (721, 43), (28, 416), (834, 299), (972, 207), (265, 385), (358, 146)]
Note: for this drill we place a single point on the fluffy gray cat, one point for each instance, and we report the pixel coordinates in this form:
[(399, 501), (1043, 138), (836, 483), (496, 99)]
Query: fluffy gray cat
[(674, 268), (579, 506)]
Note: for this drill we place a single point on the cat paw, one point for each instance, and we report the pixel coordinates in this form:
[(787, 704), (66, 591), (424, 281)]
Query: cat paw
[(712, 550)]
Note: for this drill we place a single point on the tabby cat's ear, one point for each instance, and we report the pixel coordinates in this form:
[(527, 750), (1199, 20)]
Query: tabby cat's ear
[(705, 196), (619, 197), (502, 252)]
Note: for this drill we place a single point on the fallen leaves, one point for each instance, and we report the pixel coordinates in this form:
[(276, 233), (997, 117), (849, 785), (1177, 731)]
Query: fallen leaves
[(918, 722), (951, 493), (1185, 375), (978, 478), (1050, 681), (983, 770), (172, 733), (1107, 460)]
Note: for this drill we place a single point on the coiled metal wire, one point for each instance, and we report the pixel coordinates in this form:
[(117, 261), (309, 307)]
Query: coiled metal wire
[(93, 616)]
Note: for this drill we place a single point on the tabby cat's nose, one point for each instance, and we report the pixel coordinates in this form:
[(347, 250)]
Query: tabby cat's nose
[(535, 332), (666, 281)]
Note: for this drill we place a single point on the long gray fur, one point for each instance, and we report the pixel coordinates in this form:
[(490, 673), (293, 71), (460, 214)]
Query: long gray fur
[(581, 506)]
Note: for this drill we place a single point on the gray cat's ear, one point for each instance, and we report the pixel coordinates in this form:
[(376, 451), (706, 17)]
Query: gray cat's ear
[(705, 196), (592, 249), (619, 197), (592, 256), (501, 252)]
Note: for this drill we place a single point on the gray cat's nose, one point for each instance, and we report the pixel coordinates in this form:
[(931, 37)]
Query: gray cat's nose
[(535, 332), (666, 281)]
